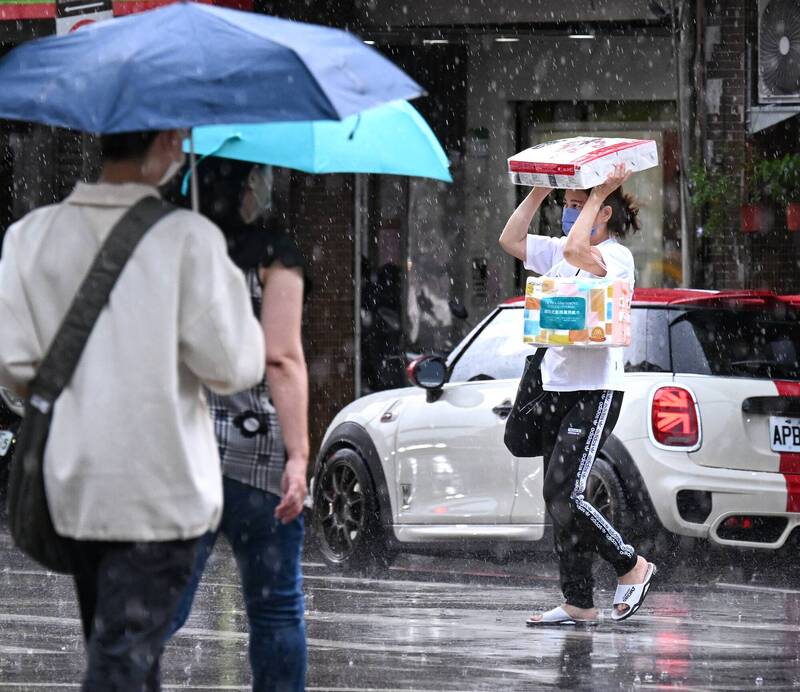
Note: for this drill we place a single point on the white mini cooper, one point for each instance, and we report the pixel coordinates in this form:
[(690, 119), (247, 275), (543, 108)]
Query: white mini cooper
[(707, 444)]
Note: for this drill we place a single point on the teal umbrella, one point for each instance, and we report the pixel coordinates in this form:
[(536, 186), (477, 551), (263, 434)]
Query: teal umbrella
[(393, 138)]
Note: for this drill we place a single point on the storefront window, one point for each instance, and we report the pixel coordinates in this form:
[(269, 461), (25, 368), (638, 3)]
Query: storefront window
[(383, 279), (412, 274), (435, 264)]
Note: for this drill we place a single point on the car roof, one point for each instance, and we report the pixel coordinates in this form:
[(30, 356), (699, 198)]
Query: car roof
[(693, 296)]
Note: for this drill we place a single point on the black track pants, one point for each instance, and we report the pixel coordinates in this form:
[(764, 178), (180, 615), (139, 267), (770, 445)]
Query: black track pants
[(575, 426)]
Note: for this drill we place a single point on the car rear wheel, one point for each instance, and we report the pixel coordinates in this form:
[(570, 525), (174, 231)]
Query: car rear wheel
[(346, 520), (604, 490), (605, 493)]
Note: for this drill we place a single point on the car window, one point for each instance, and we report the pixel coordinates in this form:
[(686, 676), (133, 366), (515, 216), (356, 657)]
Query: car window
[(738, 343), (690, 357), (497, 352), (649, 349), (658, 346), (635, 355)]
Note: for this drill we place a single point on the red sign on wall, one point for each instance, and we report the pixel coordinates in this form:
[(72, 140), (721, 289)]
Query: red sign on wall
[(27, 9), (123, 7), (36, 9)]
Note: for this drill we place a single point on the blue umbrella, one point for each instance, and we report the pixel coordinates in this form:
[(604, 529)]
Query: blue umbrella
[(393, 138), (189, 64)]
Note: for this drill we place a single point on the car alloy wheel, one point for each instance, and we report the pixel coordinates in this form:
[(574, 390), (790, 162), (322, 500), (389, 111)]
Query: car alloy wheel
[(340, 508), (605, 493), (598, 495)]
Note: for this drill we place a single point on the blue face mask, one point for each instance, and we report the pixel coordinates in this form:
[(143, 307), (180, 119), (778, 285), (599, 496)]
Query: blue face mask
[(568, 218)]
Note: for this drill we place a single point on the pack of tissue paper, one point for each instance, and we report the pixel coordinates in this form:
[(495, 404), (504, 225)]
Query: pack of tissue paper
[(574, 311), (578, 163)]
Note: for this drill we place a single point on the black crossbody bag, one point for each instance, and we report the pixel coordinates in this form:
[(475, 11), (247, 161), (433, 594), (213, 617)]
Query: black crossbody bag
[(523, 436), (29, 516)]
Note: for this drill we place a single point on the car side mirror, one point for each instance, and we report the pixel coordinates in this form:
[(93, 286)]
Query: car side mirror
[(428, 372)]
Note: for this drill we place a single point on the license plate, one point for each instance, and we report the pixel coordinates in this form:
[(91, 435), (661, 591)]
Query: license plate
[(784, 434), (6, 438)]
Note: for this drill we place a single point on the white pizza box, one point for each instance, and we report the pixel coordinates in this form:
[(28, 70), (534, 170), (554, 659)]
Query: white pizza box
[(578, 163)]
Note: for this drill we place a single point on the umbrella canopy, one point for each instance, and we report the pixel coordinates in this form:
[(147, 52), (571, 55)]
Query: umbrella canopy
[(393, 138), (189, 64)]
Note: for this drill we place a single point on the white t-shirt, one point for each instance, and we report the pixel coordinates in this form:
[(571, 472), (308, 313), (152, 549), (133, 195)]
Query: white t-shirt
[(574, 369)]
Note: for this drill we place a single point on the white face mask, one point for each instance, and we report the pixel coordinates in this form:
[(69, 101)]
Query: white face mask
[(172, 170)]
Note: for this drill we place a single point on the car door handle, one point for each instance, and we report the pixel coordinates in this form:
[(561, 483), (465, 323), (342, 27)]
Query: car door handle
[(503, 409)]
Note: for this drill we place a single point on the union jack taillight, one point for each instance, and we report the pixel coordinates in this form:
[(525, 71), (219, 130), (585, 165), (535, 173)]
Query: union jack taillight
[(673, 417)]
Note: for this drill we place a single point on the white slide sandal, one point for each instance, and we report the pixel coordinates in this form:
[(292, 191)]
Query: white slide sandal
[(632, 595), (557, 617)]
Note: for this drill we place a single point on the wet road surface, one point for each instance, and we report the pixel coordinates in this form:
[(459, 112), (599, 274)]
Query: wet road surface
[(444, 624)]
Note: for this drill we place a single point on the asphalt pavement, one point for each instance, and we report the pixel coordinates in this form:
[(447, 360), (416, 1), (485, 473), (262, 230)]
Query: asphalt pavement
[(433, 623)]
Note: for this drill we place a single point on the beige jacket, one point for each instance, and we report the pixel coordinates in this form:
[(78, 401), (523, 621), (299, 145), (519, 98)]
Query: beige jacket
[(131, 453)]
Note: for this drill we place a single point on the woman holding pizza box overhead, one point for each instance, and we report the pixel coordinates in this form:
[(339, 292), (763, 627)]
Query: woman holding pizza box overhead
[(580, 396)]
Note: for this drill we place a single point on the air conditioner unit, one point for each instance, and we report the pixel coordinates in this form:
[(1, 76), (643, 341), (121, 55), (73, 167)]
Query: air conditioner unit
[(779, 51)]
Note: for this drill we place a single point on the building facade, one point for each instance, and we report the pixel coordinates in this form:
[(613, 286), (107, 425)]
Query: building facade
[(395, 260)]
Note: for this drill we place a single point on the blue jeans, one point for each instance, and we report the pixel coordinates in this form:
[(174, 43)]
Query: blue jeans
[(268, 555)]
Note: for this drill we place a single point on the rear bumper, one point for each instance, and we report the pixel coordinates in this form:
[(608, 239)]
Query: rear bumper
[(733, 493)]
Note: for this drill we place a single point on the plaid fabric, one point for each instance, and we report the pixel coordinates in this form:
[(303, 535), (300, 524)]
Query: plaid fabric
[(246, 424)]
